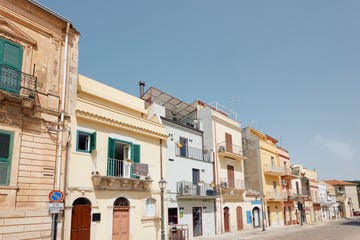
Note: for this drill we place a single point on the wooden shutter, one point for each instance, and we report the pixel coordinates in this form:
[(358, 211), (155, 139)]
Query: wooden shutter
[(10, 57), (92, 141), (6, 142), (135, 153), (111, 156)]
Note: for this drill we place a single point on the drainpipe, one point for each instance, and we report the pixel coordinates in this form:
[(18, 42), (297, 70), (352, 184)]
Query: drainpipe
[(60, 131), (62, 114)]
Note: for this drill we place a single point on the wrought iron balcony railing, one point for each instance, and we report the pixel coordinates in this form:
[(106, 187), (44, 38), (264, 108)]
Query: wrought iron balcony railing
[(126, 169), (232, 184), (190, 189), (192, 153), (231, 148), (17, 82), (274, 170)]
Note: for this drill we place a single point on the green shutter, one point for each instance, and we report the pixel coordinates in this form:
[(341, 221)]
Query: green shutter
[(11, 56), (92, 141), (6, 148), (135, 153), (111, 156)]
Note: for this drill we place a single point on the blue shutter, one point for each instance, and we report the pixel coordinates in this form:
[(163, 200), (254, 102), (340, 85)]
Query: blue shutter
[(248, 217)]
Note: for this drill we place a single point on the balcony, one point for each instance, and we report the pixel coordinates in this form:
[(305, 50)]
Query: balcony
[(123, 175), (17, 82), (188, 190), (230, 151), (232, 189), (275, 196), (192, 153), (290, 195), (273, 170)]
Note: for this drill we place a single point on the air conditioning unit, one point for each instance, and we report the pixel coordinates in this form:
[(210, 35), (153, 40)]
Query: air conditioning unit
[(221, 148), (223, 184), (187, 189), (284, 182)]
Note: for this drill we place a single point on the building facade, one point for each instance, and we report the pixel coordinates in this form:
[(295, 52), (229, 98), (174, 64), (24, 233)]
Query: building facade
[(222, 136), (38, 75), (114, 166), (263, 171), (190, 189)]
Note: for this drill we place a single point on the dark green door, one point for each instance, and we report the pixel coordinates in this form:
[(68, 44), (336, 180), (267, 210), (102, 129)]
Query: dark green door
[(10, 66)]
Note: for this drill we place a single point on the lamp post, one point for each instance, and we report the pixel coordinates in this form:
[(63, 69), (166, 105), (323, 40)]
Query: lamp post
[(162, 186)]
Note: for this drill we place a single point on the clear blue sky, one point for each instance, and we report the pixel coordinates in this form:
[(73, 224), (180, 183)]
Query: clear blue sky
[(288, 68)]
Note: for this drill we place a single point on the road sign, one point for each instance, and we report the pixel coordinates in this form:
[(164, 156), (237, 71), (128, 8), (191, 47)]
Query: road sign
[(55, 207), (56, 196)]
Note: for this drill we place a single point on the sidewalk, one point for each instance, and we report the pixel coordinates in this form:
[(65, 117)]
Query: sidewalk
[(256, 233)]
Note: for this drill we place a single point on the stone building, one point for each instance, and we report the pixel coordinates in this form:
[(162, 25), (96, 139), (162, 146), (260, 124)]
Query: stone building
[(38, 74)]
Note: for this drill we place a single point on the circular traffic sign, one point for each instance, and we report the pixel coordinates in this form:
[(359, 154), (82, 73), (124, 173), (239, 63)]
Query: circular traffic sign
[(56, 196)]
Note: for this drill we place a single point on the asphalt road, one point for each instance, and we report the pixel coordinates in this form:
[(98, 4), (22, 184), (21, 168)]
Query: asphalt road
[(347, 229), (344, 229)]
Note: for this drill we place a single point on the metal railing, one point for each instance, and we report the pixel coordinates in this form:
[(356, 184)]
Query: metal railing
[(17, 82), (223, 147), (200, 189), (126, 169), (275, 169), (235, 184), (193, 153), (275, 195)]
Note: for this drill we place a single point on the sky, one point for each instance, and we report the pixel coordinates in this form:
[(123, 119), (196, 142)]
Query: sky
[(288, 68)]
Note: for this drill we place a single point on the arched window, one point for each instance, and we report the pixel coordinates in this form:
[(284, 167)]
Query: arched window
[(150, 207)]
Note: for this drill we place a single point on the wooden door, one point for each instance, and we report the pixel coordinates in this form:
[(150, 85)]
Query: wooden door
[(80, 222), (239, 217), (228, 142), (226, 220), (230, 173), (121, 223)]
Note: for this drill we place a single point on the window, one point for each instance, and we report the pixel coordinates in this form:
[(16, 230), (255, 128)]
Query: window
[(121, 155), (150, 207), (86, 142), (172, 216), (6, 144), (10, 64)]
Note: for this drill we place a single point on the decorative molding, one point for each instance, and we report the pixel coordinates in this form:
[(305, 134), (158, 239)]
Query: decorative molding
[(11, 31), (119, 124)]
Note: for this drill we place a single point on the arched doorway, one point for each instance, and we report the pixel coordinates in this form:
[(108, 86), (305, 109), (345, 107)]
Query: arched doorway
[(239, 217), (256, 217), (81, 219), (121, 219), (226, 219)]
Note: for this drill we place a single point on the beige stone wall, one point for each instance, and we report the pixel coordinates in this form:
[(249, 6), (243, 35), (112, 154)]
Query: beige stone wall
[(24, 201)]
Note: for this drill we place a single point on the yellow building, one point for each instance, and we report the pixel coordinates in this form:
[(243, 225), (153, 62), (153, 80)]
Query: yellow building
[(263, 172), (114, 166), (38, 65)]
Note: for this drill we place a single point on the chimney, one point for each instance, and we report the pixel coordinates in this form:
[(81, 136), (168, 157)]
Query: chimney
[(142, 85)]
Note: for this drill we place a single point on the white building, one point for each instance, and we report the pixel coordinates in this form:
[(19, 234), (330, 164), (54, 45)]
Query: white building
[(190, 188)]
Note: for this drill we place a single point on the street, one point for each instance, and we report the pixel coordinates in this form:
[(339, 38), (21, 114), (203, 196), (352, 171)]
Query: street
[(348, 229), (345, 229)]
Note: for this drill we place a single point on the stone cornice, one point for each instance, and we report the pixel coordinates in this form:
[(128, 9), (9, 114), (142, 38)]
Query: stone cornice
[(119, 124)]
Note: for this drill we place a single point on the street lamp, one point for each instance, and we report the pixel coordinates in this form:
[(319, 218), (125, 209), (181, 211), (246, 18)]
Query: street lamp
[(162, 186)]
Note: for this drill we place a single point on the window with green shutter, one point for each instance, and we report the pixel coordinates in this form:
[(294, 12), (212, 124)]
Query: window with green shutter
[(85, 142), (6, 148), (119, 154), (11, 55)]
